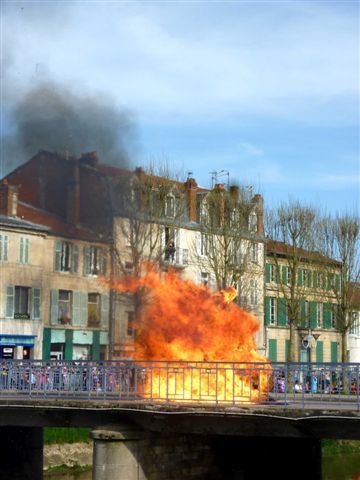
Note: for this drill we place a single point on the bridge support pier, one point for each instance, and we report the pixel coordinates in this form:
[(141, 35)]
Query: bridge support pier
[(116, 452), (21, 453)]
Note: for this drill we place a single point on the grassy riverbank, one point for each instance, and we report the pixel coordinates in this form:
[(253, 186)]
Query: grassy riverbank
[(336, 447), (53, 435)]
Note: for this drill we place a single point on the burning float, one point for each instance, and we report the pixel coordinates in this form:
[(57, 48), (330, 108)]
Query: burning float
[(191, 344)]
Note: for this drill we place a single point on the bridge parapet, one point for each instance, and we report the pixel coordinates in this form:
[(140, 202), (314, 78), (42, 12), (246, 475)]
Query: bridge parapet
[(304, 385)]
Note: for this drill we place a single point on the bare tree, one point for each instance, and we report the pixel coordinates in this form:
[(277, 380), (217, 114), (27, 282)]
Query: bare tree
[(147, 211), (291, 229), (339, 238), (227, 224)]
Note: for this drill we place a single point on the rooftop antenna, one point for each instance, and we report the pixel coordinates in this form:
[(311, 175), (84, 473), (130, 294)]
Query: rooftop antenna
[(216, 174)]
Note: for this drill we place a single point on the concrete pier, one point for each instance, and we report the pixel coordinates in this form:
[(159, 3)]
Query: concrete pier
[(116, 452)]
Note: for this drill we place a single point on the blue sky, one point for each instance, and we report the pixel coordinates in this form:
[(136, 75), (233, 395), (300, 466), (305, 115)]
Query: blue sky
[(267, 90)]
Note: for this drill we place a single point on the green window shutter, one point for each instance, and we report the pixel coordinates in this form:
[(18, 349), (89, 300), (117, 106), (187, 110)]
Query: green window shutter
[(300, 277), (281, 312), (284, 274), (277, 274), (315, 279), (309, 274), (54, 308), (57, 256), (334, 351), (303, 319), (267, 272), (273, 350), (267, 310), (312, 314), (46, 344), (337, 282), (95, 350), (84, 314), (287, 350), (76, 310), (105, 311), (68, 353), (75, 258), (36, 302), (9, 302), (319, 351), (87, 266), (327, 315)]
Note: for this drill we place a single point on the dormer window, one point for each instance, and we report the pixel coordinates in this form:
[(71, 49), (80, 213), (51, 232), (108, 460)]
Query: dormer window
[(252, 222), (170, 206)]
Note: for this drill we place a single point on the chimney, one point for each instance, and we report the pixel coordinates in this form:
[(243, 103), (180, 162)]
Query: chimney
[(191, 190), (90, 158), (219, 186), (259, 206), (8, 199), (73, 194), (234, 192)]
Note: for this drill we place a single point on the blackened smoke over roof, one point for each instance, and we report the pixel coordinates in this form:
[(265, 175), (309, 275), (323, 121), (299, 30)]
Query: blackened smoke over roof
[(53, 117)]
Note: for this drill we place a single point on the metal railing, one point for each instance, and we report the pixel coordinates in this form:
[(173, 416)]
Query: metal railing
[(299, 385)]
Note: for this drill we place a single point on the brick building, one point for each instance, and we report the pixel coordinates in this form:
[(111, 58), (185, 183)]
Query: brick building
[(91, 214), (52, 304)]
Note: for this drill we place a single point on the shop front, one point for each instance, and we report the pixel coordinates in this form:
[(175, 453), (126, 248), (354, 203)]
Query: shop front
[(17, 347)]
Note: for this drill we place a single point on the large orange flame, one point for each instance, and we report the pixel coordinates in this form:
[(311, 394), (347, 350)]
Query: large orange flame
[(182, 322)]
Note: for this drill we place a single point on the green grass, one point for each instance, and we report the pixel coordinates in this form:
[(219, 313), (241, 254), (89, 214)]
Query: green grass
[(333, 447), (66, 435), (65, 470)]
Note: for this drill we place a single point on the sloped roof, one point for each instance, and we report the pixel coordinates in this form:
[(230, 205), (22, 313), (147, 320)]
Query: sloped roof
[(274, 247), (55, 225)]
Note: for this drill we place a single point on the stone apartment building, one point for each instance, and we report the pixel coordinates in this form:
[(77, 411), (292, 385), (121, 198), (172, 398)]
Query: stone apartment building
[(317, 336), (83, 208), (52, 304), (354, 331)]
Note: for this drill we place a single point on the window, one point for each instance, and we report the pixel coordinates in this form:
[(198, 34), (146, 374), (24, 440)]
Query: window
[(253, 292), (319, 315), (272, 311), (355, 324), (22, 302), (94, 310), (272, 273), (307, 313), (334, 312), (286, 275), (170, 247), (4, 243), (94, 261), (304, 275), (131, 324), (252, 222), (254, 252), (204, 278), (24, 250), (21, 305), (170, 206), (64, 305), (66, 257), (203, 244)]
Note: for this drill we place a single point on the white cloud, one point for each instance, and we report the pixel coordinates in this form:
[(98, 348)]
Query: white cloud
[(199, 61)]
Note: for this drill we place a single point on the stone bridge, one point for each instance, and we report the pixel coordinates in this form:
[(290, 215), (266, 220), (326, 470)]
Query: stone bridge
[(141, 436)]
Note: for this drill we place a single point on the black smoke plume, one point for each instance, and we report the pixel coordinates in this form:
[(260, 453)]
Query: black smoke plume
[(55, 118)]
